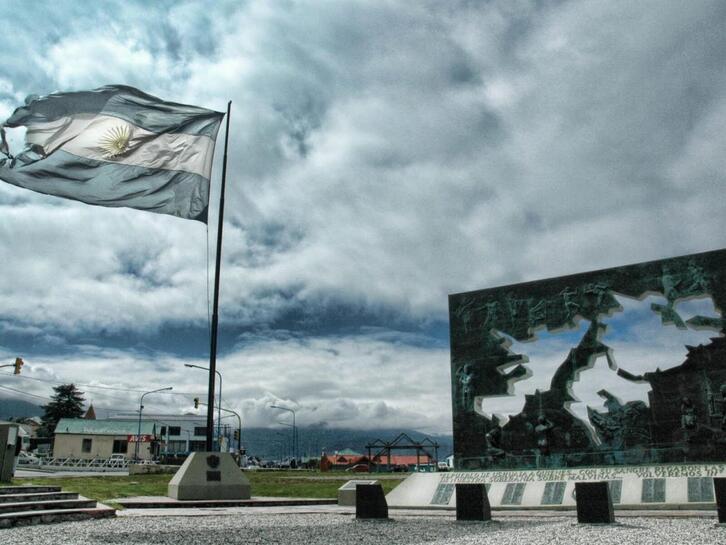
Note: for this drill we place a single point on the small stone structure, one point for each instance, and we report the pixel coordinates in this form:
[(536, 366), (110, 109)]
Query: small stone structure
[(472, 502), (209, 476), (9, 443), (370, 502), (720, 486), (347, 492), (594, 504)]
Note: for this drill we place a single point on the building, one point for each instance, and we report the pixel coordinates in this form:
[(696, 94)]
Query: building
[(28, 431), (90, 413), (407, 462), (179, 434), (88, 439), (349, 460), (347, 457)]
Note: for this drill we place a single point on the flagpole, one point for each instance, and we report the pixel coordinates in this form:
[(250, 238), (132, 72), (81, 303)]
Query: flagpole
[(215, 304)]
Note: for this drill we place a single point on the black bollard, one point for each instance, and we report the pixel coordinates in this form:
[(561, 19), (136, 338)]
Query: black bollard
[(472, 502), (719, 485), (594, 504), (370, 502)]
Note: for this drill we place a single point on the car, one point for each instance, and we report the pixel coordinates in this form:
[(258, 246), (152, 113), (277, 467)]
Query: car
[(443, 466), (359, 468), (26, 458)]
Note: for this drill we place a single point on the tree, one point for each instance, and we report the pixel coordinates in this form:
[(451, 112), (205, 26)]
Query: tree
[(66, 402)]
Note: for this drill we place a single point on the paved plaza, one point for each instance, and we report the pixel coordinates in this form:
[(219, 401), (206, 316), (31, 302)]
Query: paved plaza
[(338, 526)]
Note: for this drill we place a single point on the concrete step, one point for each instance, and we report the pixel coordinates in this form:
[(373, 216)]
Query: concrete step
[(37, 496), (27, 489), (160, 502), (28, 518), (6, 508)]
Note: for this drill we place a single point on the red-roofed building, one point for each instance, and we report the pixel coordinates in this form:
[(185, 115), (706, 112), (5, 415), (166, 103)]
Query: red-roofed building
[(409, 460), (347, 459)]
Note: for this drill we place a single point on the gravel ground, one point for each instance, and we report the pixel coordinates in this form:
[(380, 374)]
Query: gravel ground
[(336, 529)]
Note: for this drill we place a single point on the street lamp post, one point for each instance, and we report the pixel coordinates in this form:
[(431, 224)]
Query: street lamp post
[(294, 429), (141, 408), (282, 449), (239, 424), (219, 413), (292, 443), (168, 439), (239, 429)]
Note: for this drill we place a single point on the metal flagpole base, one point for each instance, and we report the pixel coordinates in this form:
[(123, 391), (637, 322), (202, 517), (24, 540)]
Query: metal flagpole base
[(209, 476)]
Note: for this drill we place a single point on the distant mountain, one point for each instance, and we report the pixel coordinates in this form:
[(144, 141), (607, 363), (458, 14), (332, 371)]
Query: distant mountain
[(16, 407), (275, 443)]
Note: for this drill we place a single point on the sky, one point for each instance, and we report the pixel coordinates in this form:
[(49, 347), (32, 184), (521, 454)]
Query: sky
[(383, 154)]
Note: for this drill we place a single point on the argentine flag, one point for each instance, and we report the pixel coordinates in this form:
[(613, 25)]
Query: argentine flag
[(115, 146)]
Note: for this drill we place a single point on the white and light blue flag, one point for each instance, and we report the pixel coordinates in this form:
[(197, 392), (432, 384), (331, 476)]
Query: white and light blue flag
[(115, 146)]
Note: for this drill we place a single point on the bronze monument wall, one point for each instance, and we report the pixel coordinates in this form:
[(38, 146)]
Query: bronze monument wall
[(684, 418)]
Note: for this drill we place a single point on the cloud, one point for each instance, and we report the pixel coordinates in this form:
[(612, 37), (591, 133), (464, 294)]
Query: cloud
[(388, 155), (382, 156), (362, 381), (99, 58)]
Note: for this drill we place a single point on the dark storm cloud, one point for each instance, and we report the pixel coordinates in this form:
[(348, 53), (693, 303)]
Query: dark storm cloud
[(382, 156)]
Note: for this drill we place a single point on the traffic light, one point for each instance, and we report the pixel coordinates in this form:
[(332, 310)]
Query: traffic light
[(236, 435), (18, 365), (196, 402)]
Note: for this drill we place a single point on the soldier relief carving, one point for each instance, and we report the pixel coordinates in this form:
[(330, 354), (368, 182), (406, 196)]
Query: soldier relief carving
[(659, 397)]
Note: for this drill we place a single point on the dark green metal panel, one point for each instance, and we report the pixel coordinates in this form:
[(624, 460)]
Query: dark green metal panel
[(554, 493), (653, 491), (443, 494), (513, 494), (616, 490), (700, 489)]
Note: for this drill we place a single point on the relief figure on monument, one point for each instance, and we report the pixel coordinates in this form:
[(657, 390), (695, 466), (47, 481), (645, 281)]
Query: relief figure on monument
[(542, 432), (466, 395), (688, 414)]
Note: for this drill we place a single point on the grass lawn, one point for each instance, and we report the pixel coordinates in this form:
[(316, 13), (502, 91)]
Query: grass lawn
[(290, 484), (105, 488)]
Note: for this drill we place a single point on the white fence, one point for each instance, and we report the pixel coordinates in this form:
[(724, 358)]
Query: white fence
[(116, 463)]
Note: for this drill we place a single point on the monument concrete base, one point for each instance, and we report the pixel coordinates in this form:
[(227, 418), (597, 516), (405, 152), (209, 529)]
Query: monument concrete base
[(209, 476), (672, 486)]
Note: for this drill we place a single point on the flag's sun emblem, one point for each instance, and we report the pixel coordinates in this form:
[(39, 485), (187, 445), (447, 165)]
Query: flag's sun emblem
[(115, 141)]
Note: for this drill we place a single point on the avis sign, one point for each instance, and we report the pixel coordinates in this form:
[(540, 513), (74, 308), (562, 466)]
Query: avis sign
[(138, 438)]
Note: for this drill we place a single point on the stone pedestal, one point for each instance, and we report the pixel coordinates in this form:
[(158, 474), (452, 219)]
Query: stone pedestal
[(594, 504), (472, 502), (347, 492), (209, 476), (370, 502), (9, 440), (719, 485)]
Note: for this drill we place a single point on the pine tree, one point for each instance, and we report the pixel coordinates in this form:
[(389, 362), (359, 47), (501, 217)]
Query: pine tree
[(66, 402)]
